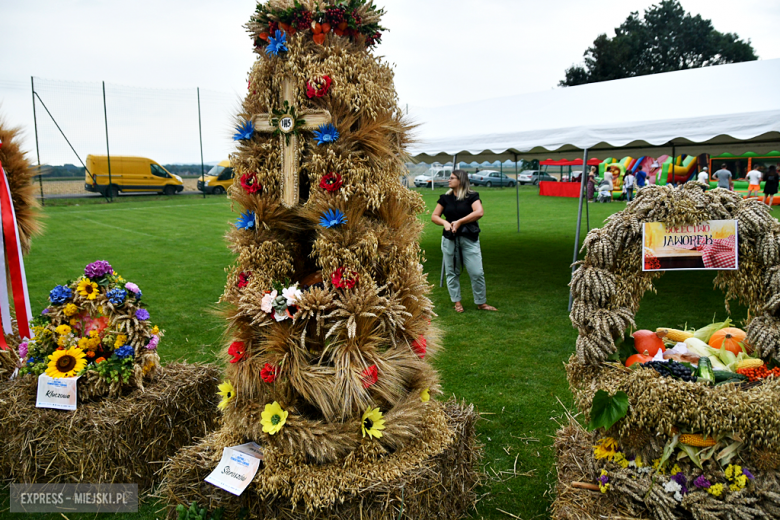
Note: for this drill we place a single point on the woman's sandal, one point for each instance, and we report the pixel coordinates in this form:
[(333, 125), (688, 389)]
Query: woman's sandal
[(459, 307), (486, 307)]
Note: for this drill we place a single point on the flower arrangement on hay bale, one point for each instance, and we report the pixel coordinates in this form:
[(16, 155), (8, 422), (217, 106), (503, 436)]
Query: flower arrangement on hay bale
[(98, 328)]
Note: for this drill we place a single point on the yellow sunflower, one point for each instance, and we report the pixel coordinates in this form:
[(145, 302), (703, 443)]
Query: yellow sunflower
[(66, 363), (227, 392), (425, 396), (70, 309), (273, 418), (88, 289), (373, 423)]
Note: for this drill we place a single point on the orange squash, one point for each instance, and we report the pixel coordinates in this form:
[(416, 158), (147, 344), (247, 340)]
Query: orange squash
[(646, 341), (730, 337)]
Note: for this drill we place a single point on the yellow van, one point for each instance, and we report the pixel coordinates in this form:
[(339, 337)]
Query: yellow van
[(129, 174), (218, 179)]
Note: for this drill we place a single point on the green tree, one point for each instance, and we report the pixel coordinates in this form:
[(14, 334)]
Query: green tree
[(665, 39)]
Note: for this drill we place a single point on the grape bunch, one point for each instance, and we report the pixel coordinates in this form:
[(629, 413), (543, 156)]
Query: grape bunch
[(673, 369)]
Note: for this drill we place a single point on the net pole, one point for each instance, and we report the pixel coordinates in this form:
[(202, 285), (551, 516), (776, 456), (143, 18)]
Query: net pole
[(200, 136), (108, 154), (37, 149)]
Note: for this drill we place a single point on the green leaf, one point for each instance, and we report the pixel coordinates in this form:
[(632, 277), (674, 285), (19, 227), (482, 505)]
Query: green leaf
[(692, 453), (607, 410)]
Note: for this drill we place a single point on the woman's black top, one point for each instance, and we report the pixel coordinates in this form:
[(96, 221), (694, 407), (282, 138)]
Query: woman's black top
[(455, 209), (770, 186)]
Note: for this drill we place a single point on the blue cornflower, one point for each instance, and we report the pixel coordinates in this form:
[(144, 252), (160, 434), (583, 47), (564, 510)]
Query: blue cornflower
[(326, 134), (332, 217), (123, 352), (244, 132), (246, 220), (277, 43), (117, 296), (31, 360), (60, 294)]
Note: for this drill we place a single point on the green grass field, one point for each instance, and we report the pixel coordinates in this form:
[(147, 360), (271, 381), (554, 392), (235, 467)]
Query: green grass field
[(509, 363)]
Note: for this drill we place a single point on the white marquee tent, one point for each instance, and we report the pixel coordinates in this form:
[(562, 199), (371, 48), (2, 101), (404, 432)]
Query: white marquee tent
[(728, 108)]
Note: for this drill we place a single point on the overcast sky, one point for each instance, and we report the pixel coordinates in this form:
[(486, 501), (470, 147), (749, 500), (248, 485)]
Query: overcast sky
[(445, 52)]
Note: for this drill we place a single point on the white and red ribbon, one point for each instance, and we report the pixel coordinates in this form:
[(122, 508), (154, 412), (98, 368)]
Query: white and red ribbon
[(11, 263)]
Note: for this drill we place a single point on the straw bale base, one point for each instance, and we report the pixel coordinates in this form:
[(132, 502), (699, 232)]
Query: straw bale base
[(433, 476), (574, 462), (122, 440)]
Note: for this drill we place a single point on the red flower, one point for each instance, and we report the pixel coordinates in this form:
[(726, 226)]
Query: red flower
[(331, 182), (344, 279), (243, 279), (369, 376), (237, 349), (268, 373), (250, 184), (420, 346), (318, 87)]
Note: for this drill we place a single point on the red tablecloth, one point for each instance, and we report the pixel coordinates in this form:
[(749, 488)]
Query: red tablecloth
[(559, 189)]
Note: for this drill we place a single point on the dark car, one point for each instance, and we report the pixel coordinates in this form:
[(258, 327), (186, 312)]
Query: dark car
[(490, 178), (534, 176)]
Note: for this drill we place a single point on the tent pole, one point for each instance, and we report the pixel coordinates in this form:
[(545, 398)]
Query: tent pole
[(517, 193), (579, 220)]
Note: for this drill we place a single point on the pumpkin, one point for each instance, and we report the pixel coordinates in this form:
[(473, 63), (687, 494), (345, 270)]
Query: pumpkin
[(647, 341), (638, 358), (729, 337)]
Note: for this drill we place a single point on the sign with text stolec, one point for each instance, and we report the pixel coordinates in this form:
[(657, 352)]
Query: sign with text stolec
[(56, 392), (237, 468), (709, 245)]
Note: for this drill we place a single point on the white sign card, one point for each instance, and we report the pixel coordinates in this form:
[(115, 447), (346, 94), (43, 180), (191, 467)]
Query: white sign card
[(237, 468), (56, 392)]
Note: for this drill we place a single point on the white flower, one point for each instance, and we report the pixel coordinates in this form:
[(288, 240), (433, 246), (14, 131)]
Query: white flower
[(266, 304), (674, 487), (280, 316), (292, 294)]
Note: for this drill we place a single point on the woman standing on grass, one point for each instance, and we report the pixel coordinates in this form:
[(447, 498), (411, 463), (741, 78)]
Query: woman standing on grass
[(460, 241)]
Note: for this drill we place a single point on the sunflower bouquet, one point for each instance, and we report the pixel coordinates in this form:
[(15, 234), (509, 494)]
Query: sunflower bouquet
[(98, 328)]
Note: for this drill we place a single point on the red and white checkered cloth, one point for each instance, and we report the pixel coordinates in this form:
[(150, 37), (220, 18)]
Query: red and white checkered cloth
[(721, 254)]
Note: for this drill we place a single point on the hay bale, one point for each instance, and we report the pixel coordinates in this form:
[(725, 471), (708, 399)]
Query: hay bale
[(122, 440), (433, 476), (574, 463)]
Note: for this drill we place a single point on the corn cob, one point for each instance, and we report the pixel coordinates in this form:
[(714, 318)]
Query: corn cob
[(695, 439), (675, 335), (750, 363)]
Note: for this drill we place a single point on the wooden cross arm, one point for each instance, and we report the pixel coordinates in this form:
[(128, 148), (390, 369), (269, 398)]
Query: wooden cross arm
[(315, 118), (263, 124)]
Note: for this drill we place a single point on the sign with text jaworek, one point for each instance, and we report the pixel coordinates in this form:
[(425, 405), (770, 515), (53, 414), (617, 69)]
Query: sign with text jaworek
[(711, 245)]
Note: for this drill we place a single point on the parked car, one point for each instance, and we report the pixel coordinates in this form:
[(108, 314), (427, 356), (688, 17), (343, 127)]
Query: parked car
[(129, 174), (491, 178), (218, 179), (439, 175), (575, 177), (533, 177)]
